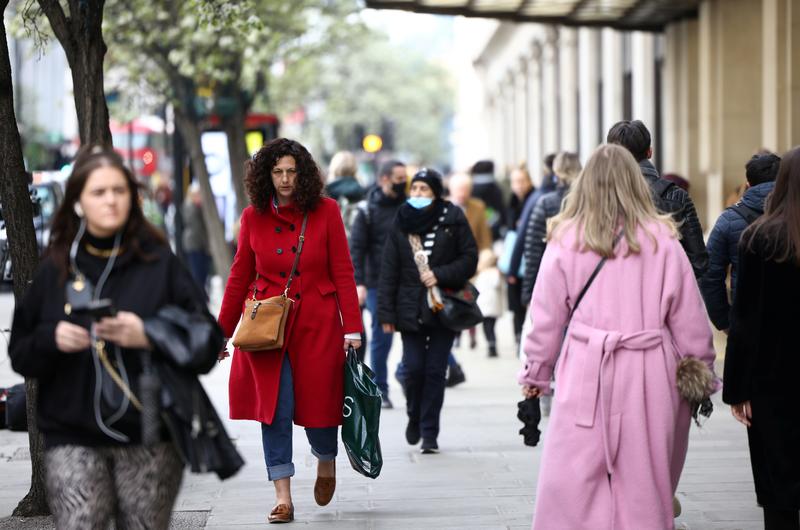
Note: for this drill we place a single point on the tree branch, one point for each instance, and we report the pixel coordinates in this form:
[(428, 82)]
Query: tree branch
[(60, 24)]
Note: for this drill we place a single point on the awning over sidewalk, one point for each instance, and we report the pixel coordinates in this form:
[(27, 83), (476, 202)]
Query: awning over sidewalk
[(645, 15)]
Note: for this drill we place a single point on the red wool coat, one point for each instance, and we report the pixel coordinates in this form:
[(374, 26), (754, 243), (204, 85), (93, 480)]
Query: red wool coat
[(325, 309)]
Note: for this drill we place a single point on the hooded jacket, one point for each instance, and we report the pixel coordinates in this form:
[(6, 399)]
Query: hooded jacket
[(723, 246)]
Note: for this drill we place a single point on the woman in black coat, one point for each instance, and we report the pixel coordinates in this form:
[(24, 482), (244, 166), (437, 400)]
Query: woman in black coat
[(97, 466), (448, 248), (762, 362)]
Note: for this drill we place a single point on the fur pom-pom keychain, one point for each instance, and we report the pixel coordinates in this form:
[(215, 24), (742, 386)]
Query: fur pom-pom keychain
[(695, 383)]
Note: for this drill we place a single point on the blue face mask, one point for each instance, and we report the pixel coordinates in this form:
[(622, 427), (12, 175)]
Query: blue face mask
[(420, 202)]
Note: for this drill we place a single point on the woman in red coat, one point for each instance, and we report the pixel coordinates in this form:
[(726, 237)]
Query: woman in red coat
[(303, 381)]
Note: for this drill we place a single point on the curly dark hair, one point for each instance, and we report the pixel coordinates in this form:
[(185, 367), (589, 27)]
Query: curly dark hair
[(258, 178)]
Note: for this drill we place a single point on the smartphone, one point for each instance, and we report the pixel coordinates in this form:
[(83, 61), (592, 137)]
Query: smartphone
[(97, 309)]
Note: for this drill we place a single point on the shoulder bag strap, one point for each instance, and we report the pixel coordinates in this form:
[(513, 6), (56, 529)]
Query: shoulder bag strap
[(591, 279), (301, 240), (420, 259)]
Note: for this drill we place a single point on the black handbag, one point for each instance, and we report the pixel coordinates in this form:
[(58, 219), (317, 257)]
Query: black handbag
[(188, 343), (457, 309), (460, 309)]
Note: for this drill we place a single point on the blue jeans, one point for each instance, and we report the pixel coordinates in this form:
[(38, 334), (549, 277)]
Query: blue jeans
[(277, 436), (381, 344)]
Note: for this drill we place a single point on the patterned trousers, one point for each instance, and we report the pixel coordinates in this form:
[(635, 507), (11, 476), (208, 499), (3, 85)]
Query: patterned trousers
[(136, 485)]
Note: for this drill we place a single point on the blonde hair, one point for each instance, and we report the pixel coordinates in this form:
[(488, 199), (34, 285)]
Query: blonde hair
[(343, 164), (567, 167), (609, 192)]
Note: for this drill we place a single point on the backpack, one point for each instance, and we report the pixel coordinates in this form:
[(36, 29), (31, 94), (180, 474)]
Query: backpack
[(745, 212)]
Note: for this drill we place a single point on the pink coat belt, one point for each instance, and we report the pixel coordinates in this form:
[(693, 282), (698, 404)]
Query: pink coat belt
[(598, 374)]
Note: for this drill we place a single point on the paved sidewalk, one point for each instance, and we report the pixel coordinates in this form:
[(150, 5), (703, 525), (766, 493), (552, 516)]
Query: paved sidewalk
[(484, 477)]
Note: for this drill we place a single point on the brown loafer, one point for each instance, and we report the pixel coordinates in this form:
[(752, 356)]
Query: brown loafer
[(324, 488), (282, 513)]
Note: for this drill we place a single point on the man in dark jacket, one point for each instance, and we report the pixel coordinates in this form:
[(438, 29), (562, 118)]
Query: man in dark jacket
[(485, 188), (724, 239), (372, 224), (668, 198)]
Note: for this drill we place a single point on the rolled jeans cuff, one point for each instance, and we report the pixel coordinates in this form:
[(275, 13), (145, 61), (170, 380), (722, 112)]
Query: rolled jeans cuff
[(326, 457), (280, 471)]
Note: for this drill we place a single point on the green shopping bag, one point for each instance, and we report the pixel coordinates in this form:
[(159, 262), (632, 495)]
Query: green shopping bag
[(361, 417)]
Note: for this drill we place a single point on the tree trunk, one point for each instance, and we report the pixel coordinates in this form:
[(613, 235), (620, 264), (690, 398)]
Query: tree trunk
[(18, 218), (81, 36), (234, 127), (218, 246)]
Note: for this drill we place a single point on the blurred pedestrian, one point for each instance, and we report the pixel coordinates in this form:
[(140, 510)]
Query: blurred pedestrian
[(344, 188), (678, 180), (567, 167), (371, 227), (449, 253), (761, 361), (195, 236), (549, 183), (96, 466), (521, 189), (485, 188), (619, 428), (668, 198), (489, 283), (723, 243), (460, 191), (302, 382)]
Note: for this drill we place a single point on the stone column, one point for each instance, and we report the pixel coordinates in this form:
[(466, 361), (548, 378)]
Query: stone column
[(522, 114), (644, 77), (535, 120), (568, 88), (777, 71), (550, 92), (612, 79), (588, 90), (730, 95)]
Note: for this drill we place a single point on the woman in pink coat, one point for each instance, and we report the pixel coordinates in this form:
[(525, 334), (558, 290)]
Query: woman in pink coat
[(618, 434)]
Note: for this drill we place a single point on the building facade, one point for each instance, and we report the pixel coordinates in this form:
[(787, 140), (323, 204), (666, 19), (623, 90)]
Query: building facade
[(713, 88)]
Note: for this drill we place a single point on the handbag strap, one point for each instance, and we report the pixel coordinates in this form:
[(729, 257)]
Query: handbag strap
[(416, 249), (591, 279), (300, 242)]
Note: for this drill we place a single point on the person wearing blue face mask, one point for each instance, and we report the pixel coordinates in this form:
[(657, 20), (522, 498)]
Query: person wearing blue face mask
[(445, 246)]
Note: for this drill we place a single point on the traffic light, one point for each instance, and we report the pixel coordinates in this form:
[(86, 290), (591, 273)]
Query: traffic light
[(387, 133)]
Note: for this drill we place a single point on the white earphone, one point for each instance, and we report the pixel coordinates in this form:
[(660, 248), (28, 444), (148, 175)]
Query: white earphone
[(78, 209)]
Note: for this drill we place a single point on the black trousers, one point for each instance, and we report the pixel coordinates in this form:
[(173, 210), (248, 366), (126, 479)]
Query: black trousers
[(488, 330), (516, 307), (777, 519), (425, 364)]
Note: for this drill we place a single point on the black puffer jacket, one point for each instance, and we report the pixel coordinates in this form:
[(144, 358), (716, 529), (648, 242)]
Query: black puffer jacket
[(453, 260), (673, 200), (548, 206), (371, 227)]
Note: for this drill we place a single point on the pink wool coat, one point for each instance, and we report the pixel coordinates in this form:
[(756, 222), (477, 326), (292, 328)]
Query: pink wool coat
[(618, 434)]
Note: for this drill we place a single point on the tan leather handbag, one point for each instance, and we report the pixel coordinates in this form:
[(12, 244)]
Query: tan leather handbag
[(263, 325)]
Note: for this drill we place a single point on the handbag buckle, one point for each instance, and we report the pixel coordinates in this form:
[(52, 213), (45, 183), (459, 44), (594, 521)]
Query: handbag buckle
[(255, 310)]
